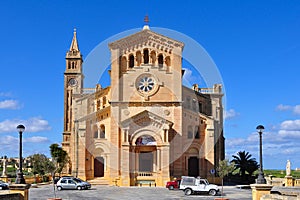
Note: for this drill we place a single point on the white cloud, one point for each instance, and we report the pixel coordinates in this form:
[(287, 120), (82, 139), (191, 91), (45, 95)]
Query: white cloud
[(36, 139), (289, 125), (9, 104), (281, 144), (34, 124), (9, 145), (5, 94), (230, 114), (282, 107), (295, 109)]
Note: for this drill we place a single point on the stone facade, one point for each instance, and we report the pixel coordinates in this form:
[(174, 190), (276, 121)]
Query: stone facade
[(146, 127)]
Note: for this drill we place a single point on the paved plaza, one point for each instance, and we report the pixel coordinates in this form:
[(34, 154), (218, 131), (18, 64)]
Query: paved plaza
[(113, 192)]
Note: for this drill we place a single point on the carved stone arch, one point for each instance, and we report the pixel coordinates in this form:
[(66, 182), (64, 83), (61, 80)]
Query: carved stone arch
[(102, 131), (131, 61), (168, 61), (142, 132), (138, 58), (100, 146), (160, 59), (146, 55), (123, 64), (153, 57), (193, 151)]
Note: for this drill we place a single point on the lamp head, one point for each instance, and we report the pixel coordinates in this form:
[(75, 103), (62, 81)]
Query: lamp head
[(21, 128), (260, 128)]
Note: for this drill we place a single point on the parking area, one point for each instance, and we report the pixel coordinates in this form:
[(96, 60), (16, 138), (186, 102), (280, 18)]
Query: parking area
[(117, 193)]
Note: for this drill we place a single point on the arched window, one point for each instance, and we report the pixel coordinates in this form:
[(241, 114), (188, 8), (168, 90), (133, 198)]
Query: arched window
[(98, 104), (197, 135), (194, 105), (123, 64), (104, 101), (146, 56), (153, 57), (190, 132), (188, 102), (102, 131), (200, 107), (131, 61), (160, 60), (95, 129), (69, 65), (168, 61), (138, 58), (73, 65)]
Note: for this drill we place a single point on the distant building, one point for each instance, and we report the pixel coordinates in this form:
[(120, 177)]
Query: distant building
[(146, 127)]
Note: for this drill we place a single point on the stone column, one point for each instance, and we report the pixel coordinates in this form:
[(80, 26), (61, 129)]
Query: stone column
[(125, 172), (258, 190), (22, 189)]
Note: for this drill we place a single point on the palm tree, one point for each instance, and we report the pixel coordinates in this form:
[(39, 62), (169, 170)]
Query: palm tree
[(244, 162)]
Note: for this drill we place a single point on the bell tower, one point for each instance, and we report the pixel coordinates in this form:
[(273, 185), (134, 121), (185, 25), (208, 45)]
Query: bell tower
[(73, 84)]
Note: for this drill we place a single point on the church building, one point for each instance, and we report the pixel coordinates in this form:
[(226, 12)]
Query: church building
[(146, 127)]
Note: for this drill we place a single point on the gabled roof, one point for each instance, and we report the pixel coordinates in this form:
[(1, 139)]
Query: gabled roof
[(149, 37)]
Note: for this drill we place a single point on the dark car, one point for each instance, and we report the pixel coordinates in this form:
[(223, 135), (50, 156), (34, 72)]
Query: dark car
[(3, 185), (171, 185)]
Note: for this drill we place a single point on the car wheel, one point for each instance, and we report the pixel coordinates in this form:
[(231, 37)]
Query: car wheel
[(212, 192), (171, 187), (78, 188), (59, 188), (188, 191)]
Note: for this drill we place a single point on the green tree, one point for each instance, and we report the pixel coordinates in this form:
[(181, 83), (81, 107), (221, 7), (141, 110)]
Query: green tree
[(59, 159), (245, 163), (225, 167), (41, 164)]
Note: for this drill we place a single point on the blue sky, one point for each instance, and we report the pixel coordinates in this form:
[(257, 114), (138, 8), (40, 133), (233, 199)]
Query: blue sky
[(254, 44)]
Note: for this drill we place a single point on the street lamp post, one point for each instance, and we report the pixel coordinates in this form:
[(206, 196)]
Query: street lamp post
[(20, 179), (260, 179)]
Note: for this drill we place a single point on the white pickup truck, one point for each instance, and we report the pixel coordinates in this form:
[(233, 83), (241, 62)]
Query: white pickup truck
[(191, 185)]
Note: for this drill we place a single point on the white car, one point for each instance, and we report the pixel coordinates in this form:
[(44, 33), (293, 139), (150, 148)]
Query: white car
[(70, 183), (192, 185)]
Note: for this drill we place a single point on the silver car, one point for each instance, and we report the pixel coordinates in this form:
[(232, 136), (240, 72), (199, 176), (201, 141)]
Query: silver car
[(69, 184)]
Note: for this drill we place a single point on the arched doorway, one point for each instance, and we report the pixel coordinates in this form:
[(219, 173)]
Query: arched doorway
[(98, 167), (193, 166), (146, 151)]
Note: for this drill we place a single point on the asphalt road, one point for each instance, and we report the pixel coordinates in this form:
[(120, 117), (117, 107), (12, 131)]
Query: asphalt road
[(141, 193)]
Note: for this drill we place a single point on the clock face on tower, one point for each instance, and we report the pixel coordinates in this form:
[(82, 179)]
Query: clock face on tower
[(72, 82), (146, 84)]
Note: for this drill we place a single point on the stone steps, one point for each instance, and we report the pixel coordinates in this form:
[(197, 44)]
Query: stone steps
[(99, 181)]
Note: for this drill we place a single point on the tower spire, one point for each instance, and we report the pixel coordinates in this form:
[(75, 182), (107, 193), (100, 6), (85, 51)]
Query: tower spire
[(74, 44)]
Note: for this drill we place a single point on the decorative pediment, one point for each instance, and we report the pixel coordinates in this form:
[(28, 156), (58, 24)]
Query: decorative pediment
[(147, 118), (149, 38)]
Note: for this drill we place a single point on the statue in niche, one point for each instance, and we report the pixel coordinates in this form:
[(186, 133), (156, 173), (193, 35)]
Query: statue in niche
[(288, 168)]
